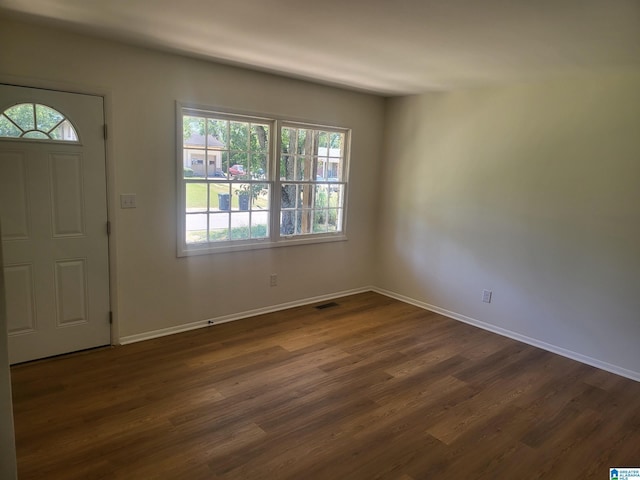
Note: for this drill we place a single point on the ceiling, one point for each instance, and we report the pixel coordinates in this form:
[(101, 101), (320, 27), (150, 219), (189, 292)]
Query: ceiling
[(389, 47)]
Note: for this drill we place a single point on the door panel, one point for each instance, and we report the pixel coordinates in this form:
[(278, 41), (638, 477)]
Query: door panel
[(21, 310), (71, 292), (53, 211), (67, 196), (15, 225)]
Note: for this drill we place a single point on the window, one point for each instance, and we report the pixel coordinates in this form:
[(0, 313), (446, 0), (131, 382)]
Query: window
[(312, 190), (34, 121), (253, 182)]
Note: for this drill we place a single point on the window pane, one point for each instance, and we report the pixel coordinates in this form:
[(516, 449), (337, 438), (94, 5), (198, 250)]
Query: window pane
[(288, 213), (302, 168), (218, 227), (194, 163), (8, 129), (224, 164), (336, 195), (252, 196), (22, 115), (193, 131), (242, 196), (305, 221), (322, 169), (36, 134), (219, 132), (187, 172), (323, 142), (259, 224), (196, 197), (320, 221), (305, 196), (239, 133), (239, 165), (288, 196), (214, 165), (260, 138), (336, 146), (334, 219), (287, 140), (260, 196), (305, 142), (196, 228), (218, 234), (322, 196), (333, 170), (65, 131), (240, 226), (287, 222), (258, 167), (287, 167), (47, 118), (219, 196)]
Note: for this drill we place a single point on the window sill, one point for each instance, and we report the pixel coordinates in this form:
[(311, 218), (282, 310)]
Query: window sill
[(259, 244)]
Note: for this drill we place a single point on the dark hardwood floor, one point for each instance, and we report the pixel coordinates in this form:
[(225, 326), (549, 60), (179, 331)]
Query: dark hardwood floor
[(371, 388)]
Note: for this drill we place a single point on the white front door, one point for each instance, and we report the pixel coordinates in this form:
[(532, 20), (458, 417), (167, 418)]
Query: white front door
[(54, 222)]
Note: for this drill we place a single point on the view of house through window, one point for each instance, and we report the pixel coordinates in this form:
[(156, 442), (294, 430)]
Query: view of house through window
[(234, 192)]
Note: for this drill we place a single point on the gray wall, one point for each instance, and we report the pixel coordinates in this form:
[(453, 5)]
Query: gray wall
[(531, 191)]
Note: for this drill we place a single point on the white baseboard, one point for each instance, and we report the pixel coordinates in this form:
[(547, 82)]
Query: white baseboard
[(237, 316), (516, 336), (433, 308)]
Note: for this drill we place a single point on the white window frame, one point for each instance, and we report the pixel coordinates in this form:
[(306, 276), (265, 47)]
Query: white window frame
[(274, 239)]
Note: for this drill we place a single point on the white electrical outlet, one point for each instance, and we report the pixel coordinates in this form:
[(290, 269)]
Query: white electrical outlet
[(273, 280), (127, 200), (486, 296)]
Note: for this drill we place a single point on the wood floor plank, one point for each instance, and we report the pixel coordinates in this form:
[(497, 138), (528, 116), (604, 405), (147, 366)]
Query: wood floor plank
[(371, 388)]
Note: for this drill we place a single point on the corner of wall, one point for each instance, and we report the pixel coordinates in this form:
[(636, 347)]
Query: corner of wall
[(8, 468)]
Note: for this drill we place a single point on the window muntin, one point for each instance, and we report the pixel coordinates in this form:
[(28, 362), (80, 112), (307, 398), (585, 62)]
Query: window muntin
[(35, 121), (252, 182)]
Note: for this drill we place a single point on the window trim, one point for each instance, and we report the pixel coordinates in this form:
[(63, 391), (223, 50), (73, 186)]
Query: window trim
[(275, 239)]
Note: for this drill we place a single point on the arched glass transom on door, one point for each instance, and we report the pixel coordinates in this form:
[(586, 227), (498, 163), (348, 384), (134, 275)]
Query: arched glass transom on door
[(34, 121)]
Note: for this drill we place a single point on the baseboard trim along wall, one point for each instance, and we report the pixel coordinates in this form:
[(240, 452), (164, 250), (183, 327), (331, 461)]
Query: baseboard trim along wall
[(238, 316), (426, 306), (515, 336)]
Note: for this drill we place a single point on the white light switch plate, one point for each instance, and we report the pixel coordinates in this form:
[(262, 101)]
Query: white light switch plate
[(486, 296)]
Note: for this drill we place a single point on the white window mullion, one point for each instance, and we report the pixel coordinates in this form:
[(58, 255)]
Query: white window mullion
[(229, 218), (208, 211), (275, 204)]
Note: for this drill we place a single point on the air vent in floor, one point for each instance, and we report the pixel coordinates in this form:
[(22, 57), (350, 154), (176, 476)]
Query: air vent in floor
[(326, 305)]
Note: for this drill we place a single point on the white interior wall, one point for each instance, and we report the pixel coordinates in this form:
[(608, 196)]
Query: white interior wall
[(154, 289), (530, 191)]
